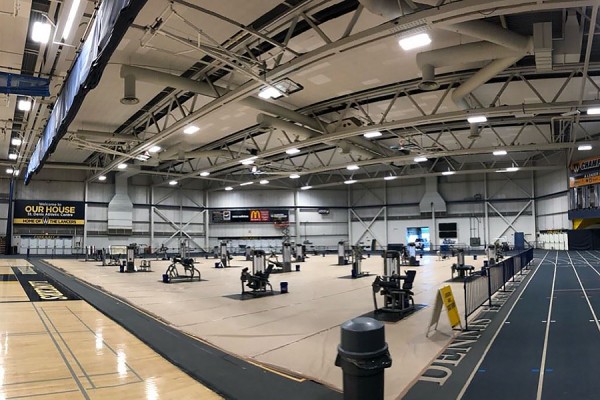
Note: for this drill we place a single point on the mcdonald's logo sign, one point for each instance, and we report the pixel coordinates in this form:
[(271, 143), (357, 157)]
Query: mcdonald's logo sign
[(255, 216)]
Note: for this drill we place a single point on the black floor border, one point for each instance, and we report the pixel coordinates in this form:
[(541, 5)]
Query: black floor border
[(467, 348), (227, 375)]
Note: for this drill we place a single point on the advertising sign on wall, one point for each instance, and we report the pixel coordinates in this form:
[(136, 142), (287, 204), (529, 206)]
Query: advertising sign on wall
[(252, 215), (585, 172), (40, 212)]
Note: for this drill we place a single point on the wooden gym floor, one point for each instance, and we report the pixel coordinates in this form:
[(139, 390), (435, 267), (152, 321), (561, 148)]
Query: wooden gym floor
[(298, 331), (65, 349)]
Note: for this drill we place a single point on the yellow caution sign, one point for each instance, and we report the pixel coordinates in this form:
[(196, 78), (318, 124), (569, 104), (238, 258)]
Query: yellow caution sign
[(451, 309)]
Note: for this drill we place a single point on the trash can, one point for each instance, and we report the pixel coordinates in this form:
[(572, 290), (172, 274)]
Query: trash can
[(283, 286), (165, 278), (297, 267)]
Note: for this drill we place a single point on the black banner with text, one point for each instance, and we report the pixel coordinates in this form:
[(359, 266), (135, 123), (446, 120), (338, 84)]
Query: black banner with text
[(40, 212), (252, 215)]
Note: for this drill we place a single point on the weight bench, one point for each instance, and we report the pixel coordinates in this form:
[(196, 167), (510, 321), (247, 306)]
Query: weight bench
[(396, 291), (188, 266), (258, 283)]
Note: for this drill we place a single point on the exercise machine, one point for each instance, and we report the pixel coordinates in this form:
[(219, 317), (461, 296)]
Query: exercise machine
[(412, 255), (357, 272), (112, 257), (91, 254), (224, 256), (394, 287), (249, 253), (342, 253), (258, 282), (164, 251), (300, 253), (190, 271), (492, 255), (460, 267), (258, 261), (286, 264)]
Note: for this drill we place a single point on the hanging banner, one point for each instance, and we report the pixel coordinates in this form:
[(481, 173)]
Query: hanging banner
[(252, 215), (34, 212), (585, 172)]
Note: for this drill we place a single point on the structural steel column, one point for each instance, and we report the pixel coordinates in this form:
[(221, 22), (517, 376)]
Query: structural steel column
[(533, 207), (349, 215), (296, 204), (486, 219), (152, 218), (85, 215), (206, 222), (385, 216)]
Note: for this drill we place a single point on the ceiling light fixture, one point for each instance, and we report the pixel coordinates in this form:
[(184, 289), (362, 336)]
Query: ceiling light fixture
[(420, 159), (512, 169), (172, 183), (415, 41), (16, 141), (102, 178), (476, 119), (449, 172), (499, 152), (228, 188), (276, 90), (292, 151), (70, 19), (248, 161), (204, 173), (584, 147), (593, 111), (264, 182), (306, 187), (24, 105), (13, 156), (10, 170), (372, 134), (154, 149), (352, 167), (246, 183), (40, 32), (390, 177), (269, 92), (350, 181), (122, 166), (294, 176), (191, 129)]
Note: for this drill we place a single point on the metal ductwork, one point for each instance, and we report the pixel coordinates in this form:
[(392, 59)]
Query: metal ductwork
[(120, 208), (506, 48), (432, 198), (568, 50), (392, 9), (96, 136), (178, 154)]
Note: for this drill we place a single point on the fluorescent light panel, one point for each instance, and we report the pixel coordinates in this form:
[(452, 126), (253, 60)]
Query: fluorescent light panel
[(102, 178), (122, 166), (350, 181), (584, 147), (499, 152), (292, 151), (16, 141), (228, 188), (372, 134), (246, 183), (269, 93), (593, 111), (475, 119), (70, 19), (390, 177), (13, 156), (294, 176), (306, 187), (415, 41), (172, 183), (448, 172), (10, 170), (191, 129), (24, 105), (352, 167), (204, 173), (40, 33), (512, 169), (155, 149), (420, 159), (249, 160)]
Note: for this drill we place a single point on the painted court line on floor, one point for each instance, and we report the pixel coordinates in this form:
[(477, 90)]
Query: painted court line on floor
[(546, 335)]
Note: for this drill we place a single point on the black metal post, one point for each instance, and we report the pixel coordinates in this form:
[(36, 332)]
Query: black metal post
[(466, 311), (489, 276), (363, 355)]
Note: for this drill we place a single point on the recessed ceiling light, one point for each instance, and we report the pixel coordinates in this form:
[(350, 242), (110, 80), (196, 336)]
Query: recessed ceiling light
[(172, 183), (204, 173), (122, 166), (246, 183), (264, 182), (292, 151), (499, 152), (352, 167), (390, 177), (102, 178), (294, 176), (415, 41), (475, 119), (306, 187), (228, 188), (249, 160), (13, 156), (372, 134), (40, 32), (191, 129), (269, 92), (512, 169), (155, 149), (420, 159), (350, 181), (9, 170), (448, 172), (593, 111), (16, 141), (584, 147), (24, 105), (142, 157)]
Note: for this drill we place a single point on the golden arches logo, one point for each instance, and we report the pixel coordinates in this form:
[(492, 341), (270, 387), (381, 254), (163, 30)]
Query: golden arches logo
[(255, 215)]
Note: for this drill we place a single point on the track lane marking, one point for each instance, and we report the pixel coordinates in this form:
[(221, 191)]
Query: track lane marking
[(489, 346), (546, 335)]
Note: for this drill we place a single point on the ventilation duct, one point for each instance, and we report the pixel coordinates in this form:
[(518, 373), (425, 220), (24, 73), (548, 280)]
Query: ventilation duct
[(120, 208), (431, 198), (392, 9), (568, 50)]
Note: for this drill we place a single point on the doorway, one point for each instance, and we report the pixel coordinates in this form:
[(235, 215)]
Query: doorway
[(419, 236)]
